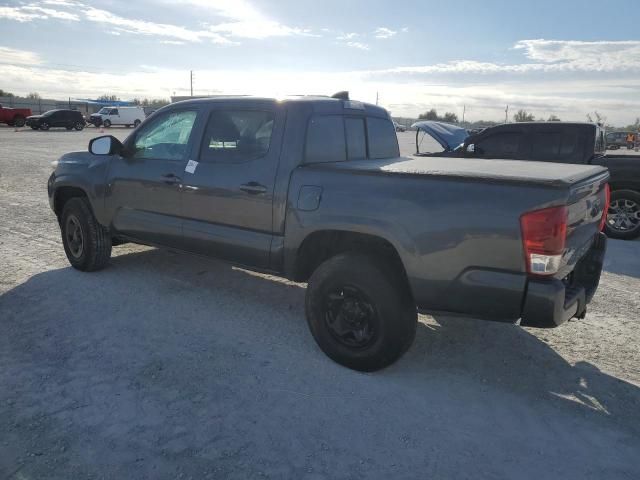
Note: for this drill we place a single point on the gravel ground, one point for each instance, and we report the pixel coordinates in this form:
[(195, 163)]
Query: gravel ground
[(170, 366)]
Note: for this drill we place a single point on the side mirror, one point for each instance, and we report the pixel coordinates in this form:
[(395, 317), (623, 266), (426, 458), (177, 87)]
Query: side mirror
[(105, 145)]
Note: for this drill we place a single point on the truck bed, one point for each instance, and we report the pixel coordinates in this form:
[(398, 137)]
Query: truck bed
[(500, 171)]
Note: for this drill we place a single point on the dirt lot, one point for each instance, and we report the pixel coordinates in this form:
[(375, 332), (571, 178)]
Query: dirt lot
[(170, 366)]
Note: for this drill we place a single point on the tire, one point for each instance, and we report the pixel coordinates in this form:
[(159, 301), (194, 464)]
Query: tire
[(380, 311), (106, 123), (33, 127), (136, 123), (128, 125), (623, 217), (86, 242), (44, 126), (18, 121), (79, 126)]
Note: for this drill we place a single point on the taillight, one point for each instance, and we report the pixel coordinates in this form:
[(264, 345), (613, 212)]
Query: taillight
[(544, 233), (607, 202)]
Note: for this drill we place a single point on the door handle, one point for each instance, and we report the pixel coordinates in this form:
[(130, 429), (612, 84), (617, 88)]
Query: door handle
[(253, 188), (171, 178)]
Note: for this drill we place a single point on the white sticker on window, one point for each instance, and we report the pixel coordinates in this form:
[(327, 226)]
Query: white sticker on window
[(191, 166)]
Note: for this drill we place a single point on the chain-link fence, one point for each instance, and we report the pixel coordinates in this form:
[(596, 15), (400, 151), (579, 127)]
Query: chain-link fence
[(41, 105)]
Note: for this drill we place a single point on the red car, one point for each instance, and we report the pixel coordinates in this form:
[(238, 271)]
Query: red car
[(14, 116)]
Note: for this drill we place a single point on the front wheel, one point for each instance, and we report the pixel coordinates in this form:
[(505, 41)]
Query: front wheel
[(86, 242), (19, 121), (357, 314), (44, 126), (106, 123), (78, 126), (623, 217)]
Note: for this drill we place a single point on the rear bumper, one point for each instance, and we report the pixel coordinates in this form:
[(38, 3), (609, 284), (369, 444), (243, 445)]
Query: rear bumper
[(551, 302)]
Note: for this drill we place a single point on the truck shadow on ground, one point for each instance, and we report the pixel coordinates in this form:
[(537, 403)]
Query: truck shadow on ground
[(189, 313)]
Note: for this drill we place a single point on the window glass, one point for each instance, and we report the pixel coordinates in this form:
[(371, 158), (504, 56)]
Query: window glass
[(166, 137), (325, 139), (499, 145), (237, 136), (554, 145), (356, 138), (383, 141), (114, 111)]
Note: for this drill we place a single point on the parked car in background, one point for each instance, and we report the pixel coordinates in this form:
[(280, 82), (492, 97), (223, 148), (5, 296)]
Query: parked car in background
[(127, 116), (14, 117), (398, 127), (558, 142), (616, 140), (69, 119), (313, 189)]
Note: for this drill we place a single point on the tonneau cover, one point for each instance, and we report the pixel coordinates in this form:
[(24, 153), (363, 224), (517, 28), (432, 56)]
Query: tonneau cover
[(509, 171)]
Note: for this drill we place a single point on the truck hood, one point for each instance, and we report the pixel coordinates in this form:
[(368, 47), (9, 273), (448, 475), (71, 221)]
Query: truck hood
[(447, 135), (34, 117)]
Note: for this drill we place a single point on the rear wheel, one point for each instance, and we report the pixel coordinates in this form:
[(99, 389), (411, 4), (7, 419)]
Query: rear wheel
[(359, 316), (623, 218), (18, 121), (107, 123), (86, 242), (136, 123)]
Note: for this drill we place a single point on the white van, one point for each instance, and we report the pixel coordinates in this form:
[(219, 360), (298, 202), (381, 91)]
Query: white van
[(126, 116)]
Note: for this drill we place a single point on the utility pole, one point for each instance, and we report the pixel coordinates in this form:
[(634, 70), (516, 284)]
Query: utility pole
[(506, 114), (191, 81), (376, 97), (464, 110)]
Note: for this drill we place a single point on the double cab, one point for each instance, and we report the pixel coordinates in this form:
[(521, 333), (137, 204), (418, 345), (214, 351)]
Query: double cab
[(313, 189)]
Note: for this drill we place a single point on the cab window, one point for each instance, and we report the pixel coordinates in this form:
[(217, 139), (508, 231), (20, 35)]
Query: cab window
[(237, 136), (166, 137)]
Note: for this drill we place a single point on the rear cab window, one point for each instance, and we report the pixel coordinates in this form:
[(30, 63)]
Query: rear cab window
[(336, 138)]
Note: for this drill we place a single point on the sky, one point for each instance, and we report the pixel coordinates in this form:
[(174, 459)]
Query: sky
[(563, 57)]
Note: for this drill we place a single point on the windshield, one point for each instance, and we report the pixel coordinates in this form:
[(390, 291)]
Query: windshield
[(104, 111)]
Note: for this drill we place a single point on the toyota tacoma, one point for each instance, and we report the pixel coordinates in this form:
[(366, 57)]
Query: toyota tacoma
[(313, 189)]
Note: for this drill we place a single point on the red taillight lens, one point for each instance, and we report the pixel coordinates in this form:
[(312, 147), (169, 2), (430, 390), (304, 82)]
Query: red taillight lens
[(544, 233), (607, 202)]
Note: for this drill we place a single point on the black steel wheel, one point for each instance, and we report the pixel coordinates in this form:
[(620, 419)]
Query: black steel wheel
[(136, 123), (360, 311), (86, 242)]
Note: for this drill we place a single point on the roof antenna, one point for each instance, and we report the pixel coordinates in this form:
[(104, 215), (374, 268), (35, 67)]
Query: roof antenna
[(344, 95)]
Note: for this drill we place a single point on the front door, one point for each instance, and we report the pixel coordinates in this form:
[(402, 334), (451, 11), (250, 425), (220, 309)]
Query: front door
[(228, 198), (144, 185)]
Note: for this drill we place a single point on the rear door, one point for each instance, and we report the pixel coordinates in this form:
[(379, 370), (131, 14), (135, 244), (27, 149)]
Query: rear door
[(144, 186), (228, 196)]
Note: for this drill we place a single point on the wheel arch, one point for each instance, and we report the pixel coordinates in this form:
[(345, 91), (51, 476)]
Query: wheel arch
[(63, 194), (320, 245)]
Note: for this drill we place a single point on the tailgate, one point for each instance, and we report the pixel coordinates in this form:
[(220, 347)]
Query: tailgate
[(586, 204)]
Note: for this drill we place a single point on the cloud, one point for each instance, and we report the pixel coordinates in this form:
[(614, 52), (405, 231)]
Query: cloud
[(347, 36), (384, 32), (18, 57), (242, 20), (143, 27), (548, 56), (358, 45), (236, 19)]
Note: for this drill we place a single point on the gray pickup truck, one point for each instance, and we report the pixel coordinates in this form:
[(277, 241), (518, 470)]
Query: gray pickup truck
[(313, 189)]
